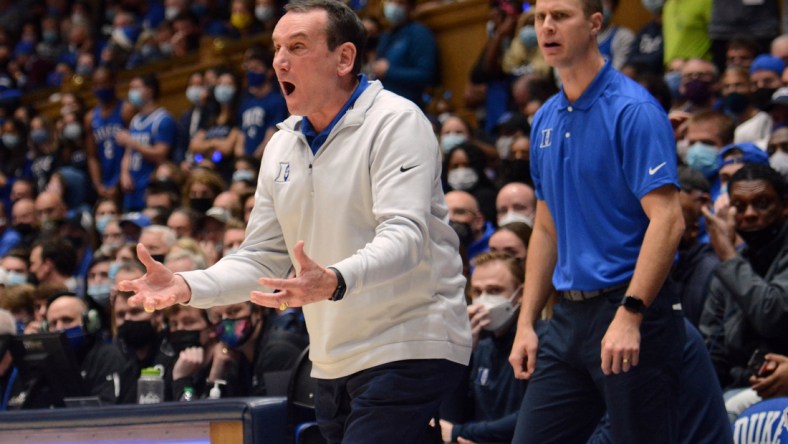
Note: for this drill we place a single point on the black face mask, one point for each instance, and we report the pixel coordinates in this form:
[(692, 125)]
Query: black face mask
[(201, 204), (762, 98), (158, 257), (25, 229), (736, 103), (758, 239), (183, 339), (137, 334), (464, 232), (519, 171)]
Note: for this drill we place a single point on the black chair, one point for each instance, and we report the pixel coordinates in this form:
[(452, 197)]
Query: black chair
[(301, 425)]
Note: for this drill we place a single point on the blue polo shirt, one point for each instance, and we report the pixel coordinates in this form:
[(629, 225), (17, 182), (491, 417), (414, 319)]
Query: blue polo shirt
[(591, 162), (316, 139)]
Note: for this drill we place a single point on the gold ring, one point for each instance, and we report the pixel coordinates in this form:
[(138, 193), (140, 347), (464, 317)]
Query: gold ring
[(283, 306), (224, 350), (149, 309), (626, 360)]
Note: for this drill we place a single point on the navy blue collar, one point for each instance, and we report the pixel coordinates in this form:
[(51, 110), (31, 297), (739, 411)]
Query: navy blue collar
[(316, 140)]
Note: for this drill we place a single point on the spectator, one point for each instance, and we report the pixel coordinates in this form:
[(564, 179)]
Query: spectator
[(24, 221), (201, 189), (523, 57), (516, 202), (16, 264), (407, 53), (512, 239), (50, 210), (18, 300), (731, 159), (195, 117), (494, 396), (158, 240), (267, 12), (148, 141), (752, 124), (647, 52), (230, 202), (464, 210), (9, 238), (765, 73), (193, 340), (262, 105), (99, 363), (741, 52), (706, 133), (778, 150), (41, 155), (730, 19), (615, 42), (745, 307), (779, 47), (54, 261), (99, 286), (685, 29), (698, 85), (464, 169), (183, 222)]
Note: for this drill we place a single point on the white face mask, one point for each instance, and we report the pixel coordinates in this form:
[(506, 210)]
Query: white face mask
[(501, 308), (504, 146), (779, 161), (462, 178), (513, 216)]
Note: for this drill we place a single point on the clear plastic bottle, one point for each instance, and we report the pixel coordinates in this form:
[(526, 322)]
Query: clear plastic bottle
[(150, 386)]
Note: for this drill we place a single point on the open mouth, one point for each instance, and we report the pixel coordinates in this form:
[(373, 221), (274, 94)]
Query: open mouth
[(551, 45), (288, 88)]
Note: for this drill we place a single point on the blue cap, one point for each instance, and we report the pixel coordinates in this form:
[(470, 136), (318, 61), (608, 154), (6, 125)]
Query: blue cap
[(135, 218), (766, 62), (750, 154)]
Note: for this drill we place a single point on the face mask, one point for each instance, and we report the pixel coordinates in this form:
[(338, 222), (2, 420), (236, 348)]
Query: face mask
[(501, 309), (779, 161), (165, 48), (234, 332), (462, 178), (104, 95), (100, 292), (24, 229), (653, 6), (244, 175), (113, 270), (194, 94), (673, 80), (183, 339), (201, 204), (171, 12), (76, 337), (137, 334), (504, 145), (101, 223), (264, 13), (10, 140), (15, 278), (158, 257), (240, 20), (697, 91), (703, 157), (463, 230), (736, 103), (762, 98), (758, 239), (395, 14), (39, 136), (84, 70), (450, 140), (255, 79), (135, 98), (146, 50), (50, 36), (513, 216), (72, 132), (224, 93), (528, 37)]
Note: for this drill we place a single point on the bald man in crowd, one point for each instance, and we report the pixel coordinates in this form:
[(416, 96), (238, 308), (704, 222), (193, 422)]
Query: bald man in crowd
[(516, 202)]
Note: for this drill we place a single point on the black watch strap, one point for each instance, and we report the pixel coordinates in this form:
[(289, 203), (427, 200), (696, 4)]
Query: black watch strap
[(339, 293), (633, 304)]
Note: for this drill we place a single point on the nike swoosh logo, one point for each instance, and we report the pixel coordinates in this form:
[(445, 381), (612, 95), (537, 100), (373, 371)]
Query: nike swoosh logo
[(652, 171), (402, 169)]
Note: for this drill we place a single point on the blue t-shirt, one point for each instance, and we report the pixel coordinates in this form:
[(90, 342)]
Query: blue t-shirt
[(156, 127), (766, 421), (109, 152), (257, 114), (591, 162)]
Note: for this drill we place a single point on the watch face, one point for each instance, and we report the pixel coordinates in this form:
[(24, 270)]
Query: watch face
[(633, 304)]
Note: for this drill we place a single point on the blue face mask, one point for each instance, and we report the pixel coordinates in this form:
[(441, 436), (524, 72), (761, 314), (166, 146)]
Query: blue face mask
[(13, 278), (76, 337), (224, 93), (653, 6), (673, 80), (100, 292), (235, 332), (703, 157), (450, 140), (135, 98), (101, 223), (113, 270), (528, 37), (255, 79), (394, 13), (39, 136), (194, 94), (10, 140)]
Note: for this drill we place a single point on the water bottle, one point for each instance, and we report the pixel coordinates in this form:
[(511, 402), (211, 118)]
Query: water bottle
[(150, 386)]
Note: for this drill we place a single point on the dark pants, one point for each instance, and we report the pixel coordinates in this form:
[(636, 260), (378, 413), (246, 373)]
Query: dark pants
[(390, 403), (568, 393)]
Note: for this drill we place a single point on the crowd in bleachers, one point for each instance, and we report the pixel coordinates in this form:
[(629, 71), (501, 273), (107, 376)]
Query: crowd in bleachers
[(79, 192)]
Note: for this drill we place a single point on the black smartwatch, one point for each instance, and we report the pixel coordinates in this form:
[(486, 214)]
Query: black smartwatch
[(633, 304), (339, 293)]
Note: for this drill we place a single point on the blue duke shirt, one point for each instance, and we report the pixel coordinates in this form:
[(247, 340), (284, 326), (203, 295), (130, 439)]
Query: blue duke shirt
[(592, 161)]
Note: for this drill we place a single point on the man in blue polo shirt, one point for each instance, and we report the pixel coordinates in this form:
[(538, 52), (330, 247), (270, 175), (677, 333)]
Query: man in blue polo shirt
[(607, 225)]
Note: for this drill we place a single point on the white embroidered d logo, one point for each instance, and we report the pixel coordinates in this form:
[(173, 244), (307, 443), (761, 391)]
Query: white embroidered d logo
[(284, 172), (547, 136)]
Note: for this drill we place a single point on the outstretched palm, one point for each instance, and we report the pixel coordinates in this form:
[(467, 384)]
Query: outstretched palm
[(158, 288)]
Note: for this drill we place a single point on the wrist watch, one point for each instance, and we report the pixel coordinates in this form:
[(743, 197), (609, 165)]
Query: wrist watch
[(633, 304), (339, 293)]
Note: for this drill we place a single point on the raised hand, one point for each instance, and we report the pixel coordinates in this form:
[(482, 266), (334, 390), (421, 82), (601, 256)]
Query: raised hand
[(158, 288), (314, 283)]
